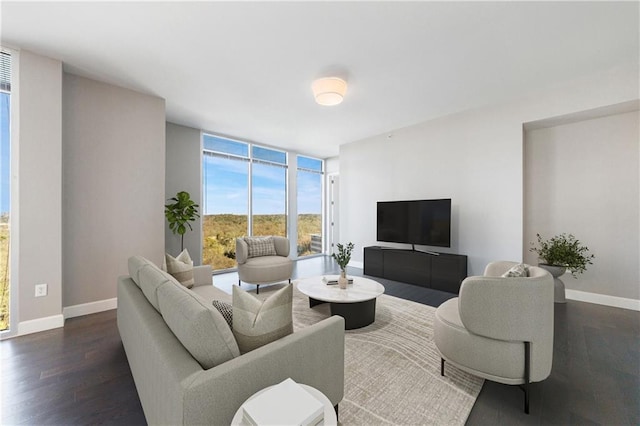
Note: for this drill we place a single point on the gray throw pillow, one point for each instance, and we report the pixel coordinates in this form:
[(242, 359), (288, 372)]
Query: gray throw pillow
[(260, 246), (256, 323), (519, 270), (226, 310)]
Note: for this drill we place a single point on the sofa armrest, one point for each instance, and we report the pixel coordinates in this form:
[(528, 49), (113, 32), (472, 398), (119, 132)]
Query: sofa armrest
[(242, 251), (202, 275), (313, 355), (517, 309)]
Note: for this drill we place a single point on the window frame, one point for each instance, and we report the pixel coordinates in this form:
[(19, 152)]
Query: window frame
[(252, 160)]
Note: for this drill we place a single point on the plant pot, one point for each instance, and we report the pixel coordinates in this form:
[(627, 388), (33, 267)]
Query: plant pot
[(342, 280), (556, 272)]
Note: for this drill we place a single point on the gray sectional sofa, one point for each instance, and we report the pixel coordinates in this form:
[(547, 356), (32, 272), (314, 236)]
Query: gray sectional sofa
[(158, 320)]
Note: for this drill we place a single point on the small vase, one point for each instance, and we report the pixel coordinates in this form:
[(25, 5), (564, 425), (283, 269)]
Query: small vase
[(556, 271), (343, 281)]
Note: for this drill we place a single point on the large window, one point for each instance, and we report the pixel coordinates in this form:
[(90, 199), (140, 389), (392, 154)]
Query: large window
[(309, 198), (225, 206), (269, 192), (5, 185), (245, 193)]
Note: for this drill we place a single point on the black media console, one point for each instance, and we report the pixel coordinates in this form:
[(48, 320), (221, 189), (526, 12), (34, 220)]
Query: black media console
[(443, 271)]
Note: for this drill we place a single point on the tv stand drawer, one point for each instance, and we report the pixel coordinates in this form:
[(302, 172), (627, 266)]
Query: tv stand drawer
[(444, 271)]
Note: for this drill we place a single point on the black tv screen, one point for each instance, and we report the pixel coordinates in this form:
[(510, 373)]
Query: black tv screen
[(423, 222)]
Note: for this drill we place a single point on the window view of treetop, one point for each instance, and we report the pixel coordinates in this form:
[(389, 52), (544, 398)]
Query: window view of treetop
[(244, 193), (309, 206)]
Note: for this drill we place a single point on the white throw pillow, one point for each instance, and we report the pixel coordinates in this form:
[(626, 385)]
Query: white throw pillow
[(519, 270), (180, 268), (256, 323)]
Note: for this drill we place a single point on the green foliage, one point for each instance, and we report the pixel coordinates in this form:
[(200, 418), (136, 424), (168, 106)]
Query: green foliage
[(564, 250), (180, 213), (221, 230), (344, 255), (308, 224)]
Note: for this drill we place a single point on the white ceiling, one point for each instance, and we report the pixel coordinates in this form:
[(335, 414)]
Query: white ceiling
[(244, 69)]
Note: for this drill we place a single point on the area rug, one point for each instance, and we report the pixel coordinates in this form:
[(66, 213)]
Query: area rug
[(392, 367)]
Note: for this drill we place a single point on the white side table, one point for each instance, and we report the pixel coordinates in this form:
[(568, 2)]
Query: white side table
[(330, 418)]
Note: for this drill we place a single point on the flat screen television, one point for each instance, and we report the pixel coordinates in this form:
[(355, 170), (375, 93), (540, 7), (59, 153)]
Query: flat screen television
[(423, 222)]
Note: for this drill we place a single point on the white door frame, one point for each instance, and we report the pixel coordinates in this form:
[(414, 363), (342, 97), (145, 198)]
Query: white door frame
[(333, 212)]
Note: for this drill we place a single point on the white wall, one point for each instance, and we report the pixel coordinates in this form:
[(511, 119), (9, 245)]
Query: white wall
[(332, 165), (445, 158), (36, 206), (184, 173), (113, 175), (474, 157), (583, 178)]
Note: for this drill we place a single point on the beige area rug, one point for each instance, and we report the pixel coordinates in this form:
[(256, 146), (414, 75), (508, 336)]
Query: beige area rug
[(392, 367)]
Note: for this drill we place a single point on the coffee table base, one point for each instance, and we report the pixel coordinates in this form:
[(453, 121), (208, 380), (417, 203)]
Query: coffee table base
[(356, 315)]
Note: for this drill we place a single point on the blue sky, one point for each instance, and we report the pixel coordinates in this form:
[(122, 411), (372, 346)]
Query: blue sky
[(226, 188), (4, 151)]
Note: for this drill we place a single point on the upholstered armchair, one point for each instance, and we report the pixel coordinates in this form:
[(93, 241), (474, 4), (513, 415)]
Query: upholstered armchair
[(499, 328), (263, 260)]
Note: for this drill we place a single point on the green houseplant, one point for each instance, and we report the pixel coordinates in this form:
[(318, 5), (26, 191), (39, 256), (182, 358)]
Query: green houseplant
[(180, 213), (342, 259), (565, 251), (343, 256)]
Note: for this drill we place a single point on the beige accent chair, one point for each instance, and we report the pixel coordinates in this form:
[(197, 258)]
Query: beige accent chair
[(264, 269), (499, 328)]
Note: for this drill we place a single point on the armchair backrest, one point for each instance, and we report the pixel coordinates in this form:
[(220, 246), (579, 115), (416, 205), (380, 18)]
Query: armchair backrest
[(512, 309), (281, 245)]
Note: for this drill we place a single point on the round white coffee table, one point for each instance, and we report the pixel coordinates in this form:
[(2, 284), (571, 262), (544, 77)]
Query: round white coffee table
[(356, 304), (330, 417)]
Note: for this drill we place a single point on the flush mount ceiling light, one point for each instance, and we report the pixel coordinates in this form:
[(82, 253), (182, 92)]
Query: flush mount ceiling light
[(329, 90)]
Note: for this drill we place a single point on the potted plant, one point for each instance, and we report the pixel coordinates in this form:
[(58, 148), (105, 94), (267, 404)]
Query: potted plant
[(180, 213), (560, 253), (342, 259)]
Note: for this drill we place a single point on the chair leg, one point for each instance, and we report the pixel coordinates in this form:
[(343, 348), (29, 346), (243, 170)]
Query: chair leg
[(442, 366), (258, 289), (239, 283), (527, 374)]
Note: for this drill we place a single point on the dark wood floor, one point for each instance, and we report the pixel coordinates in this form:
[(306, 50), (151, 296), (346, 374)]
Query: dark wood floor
[(79, 374)]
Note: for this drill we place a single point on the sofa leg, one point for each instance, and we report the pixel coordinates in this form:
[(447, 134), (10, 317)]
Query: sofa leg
[(335, 407), (258, 289), (239, 283), (527, 374), (442, 366)]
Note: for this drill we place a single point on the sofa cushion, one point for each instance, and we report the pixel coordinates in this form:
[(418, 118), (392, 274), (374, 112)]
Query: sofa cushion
[(150, 279), (199, 326), (519, 270), (135, 264), (256, 323), (260, 246), (180, 268)]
